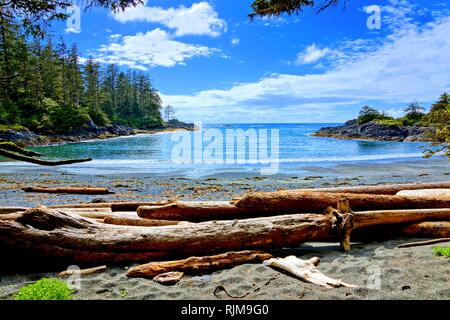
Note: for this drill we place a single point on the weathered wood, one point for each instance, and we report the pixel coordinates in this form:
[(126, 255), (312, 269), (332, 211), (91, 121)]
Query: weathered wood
[(134, 220), (11, 146), (388, 189), (87, 271), (82, 205), (311, 202), (195, 265), (306, 270), (169, 278), (300, 201), (133, 206), (51, 235), (6, 210), (425, 193), (427, 229), (48, 235), (196, 211), (68, 190), (423, 243)]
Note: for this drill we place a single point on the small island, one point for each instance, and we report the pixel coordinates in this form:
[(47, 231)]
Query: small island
[(415, 125)]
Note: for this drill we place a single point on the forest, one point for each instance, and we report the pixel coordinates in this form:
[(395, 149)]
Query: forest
[(45, 88)]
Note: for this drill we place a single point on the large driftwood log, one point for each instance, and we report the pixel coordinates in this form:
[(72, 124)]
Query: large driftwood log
[(46, 235), (195, 265), (307, 271), (196, 211), (278, 203), (10, 146), (387, 189), (82, 205), (6, 210), (133, 206), (68, 190), (300, 201)]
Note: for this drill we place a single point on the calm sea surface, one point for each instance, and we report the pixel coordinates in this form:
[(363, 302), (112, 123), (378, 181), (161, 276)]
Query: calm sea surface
[(187, 154)]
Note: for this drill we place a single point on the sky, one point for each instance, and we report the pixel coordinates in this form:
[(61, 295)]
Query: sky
[(208, 60)]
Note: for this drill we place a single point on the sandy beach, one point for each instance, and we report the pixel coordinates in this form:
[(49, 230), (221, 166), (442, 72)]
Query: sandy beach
[(407, 273)]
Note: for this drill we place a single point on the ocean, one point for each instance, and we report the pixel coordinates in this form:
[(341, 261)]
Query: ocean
[(264, 148)]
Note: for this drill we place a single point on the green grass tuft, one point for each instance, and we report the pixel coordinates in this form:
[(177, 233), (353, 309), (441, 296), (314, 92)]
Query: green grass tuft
[(45, 289), (442, 251)]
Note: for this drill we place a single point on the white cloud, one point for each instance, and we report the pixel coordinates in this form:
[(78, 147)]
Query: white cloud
[(199, 19), (235, 41), (153, 48), (312, 54), (411, 64)]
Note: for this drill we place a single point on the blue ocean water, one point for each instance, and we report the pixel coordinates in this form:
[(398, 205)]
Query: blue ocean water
[(154, 153)]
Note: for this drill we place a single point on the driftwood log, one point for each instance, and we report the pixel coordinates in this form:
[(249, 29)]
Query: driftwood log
[(195, 265), (425, 193), (16, 156), (48, 235), (306, 270), (423, 243), (68, 190), (133, 206), (300, 201), (127, 219), (282, 202), (391, 189)]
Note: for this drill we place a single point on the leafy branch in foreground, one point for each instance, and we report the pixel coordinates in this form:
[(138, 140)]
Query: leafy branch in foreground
[(263, 8)]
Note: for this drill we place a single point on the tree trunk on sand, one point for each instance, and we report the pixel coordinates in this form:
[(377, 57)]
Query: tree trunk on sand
[(387, 189), (196, 211), (195, 265), (68, 190), (255, 207), (300, 201), (425, 193), (45, 235)]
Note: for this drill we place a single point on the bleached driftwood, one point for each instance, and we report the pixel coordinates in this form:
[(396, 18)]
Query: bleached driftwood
[(169, 278), (306, 270), (70, 272), (425, 193)]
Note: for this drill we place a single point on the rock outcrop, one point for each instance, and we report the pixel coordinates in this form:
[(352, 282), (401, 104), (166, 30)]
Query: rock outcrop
[(375, 131)]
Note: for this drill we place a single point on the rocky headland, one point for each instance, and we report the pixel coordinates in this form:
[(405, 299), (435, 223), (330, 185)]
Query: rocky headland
[(373, 130), (91, 131)]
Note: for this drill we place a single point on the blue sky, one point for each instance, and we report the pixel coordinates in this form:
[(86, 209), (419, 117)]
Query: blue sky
[(214, 65)]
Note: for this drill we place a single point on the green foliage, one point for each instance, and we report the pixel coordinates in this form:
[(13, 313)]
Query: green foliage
[(439, 118), (442, 251), (44, 87), (99, 117), (367, 114), (390, 122), (263, 8), (15, 127), (45, 289)]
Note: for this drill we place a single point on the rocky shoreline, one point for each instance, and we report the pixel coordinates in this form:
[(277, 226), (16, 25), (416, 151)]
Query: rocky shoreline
[(92, 131), (375, 131)]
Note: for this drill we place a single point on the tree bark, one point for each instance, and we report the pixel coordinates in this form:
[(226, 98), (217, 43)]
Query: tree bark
[(133, 206), (300, 201), (195, 265), (387, 189), (196, 211), (46, 235), (278, 203), (68, 190), (123, 219)]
